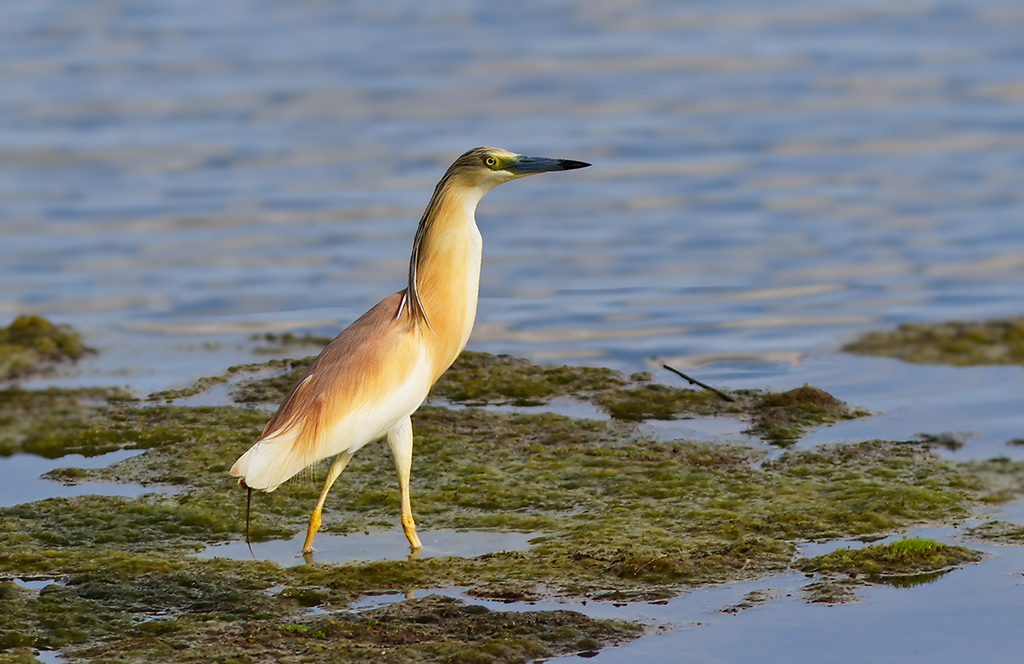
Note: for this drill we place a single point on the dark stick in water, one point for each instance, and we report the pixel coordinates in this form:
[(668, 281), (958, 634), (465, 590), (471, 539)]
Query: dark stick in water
[(248, 503), (694, 381)]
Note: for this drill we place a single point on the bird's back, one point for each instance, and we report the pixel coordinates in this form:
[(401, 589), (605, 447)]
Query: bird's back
[(370, 376)]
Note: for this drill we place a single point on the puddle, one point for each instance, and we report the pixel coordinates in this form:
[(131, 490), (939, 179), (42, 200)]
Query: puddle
[(559, 406), (388, 545), (36, 584), (22, 482), (703, 429)]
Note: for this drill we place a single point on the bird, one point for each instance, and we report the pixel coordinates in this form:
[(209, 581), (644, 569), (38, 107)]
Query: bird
[(366, 383)]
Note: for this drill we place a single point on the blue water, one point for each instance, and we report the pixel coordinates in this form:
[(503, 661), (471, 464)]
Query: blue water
[(769, 180)]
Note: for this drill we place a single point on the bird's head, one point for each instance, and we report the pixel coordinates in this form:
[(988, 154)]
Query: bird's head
[(486, 168)]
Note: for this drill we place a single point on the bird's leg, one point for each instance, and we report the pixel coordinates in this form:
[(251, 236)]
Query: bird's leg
[(400, 442), (337, 466)]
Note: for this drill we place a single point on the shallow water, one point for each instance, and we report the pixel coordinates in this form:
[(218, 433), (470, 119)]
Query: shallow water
[(968, 613), (22, 482), (389, 545), (768, 181), (981, 403)]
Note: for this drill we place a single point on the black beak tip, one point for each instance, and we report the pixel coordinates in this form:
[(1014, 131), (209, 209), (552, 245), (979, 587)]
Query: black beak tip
[(569, 164)]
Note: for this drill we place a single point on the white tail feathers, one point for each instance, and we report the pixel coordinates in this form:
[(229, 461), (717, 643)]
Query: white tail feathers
[(271, 461)]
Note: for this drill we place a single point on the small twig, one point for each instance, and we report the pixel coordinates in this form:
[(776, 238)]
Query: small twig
[(694, 381)]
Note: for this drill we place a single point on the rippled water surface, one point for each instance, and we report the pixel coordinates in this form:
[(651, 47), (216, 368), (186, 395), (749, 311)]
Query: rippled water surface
[(769, 179)]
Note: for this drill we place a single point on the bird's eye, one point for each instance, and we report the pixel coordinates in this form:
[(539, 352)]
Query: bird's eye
[(491, 161)]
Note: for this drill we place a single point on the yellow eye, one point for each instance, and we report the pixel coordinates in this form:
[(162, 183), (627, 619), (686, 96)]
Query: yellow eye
[(491, 161)]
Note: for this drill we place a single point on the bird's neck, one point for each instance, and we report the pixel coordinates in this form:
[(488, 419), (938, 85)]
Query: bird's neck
[(446, 273)]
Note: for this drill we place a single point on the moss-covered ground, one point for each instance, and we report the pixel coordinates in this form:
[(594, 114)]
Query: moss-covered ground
[(623, 518), (481, 379), (904, 563), (957, 342), (904, 559), (32, 345)]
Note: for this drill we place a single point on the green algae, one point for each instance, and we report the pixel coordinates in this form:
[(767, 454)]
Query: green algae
[(750, 600), (661, 402), (53, 422), (833, 591), (281, 343), (958, 343), (419, 630), (624, 518), (264, 390), (620, 510), (897, 561), (116, 597), (32, 344), (481, 378), (998, 532), (117, 603), (783, 417)]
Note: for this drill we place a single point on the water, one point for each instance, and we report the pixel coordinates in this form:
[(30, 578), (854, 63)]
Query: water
[(769, 180), (388, 545), (967, 614), (22, 482)]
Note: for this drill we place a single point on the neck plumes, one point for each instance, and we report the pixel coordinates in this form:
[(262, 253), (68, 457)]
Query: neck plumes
[(444, 273)]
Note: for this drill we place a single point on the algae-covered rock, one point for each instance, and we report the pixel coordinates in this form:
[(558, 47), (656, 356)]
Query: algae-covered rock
[(957, 342), (900, 560), (833, 591), (783, 417), (32, 344)]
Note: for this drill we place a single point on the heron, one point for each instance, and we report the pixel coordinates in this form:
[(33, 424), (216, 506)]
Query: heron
[(366, 384)]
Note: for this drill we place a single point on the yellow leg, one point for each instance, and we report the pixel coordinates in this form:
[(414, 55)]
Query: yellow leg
[(337, 466), (400, 442)]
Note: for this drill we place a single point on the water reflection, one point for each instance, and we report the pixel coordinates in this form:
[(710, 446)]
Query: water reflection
[(368, 547), (22, 482)]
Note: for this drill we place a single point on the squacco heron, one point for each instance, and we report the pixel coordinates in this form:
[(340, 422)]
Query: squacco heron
[(365, 385)]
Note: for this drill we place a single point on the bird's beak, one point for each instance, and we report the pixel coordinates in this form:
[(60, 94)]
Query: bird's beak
[(529, 165)]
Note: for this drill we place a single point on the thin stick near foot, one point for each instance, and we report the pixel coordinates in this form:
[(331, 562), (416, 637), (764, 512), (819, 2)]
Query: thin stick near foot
[(248, 503), (694, 381)]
